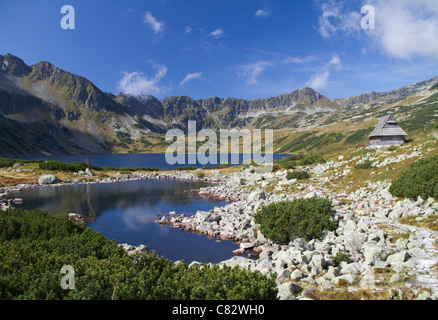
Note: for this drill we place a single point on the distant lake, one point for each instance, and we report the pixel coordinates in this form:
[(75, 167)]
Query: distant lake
[(147, 160), (126, 211)]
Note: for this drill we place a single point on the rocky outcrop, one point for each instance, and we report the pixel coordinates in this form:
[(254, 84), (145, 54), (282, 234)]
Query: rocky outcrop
[(369, 249)]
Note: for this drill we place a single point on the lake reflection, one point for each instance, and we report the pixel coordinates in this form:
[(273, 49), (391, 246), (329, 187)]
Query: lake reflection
[(126, 211)]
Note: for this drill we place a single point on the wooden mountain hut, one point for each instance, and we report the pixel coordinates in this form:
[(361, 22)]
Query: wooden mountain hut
[(387, 133)]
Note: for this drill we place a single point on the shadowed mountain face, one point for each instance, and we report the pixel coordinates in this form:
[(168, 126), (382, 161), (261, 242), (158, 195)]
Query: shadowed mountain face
[(44, 109)]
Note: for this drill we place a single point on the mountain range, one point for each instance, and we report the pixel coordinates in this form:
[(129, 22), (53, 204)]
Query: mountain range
[(47, 110)]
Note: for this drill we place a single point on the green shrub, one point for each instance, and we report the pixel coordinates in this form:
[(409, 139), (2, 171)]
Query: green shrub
[(200, 174), (62, 166), (6, 163), (302, 218), (342, 256), (289, 163), (366, 164), (299, 175), (35, 245), (186, 168), (124, 137), (421, 179), (310, 159)]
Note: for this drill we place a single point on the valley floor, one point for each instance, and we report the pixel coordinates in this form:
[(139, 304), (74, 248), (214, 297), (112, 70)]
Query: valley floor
[(383, 248)]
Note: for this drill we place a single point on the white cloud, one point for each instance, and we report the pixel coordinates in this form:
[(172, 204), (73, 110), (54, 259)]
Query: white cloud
[(216, 34), (137, 83), (404, 29), (154, 24), (299, 60), (252, 70), (334, 19), (336, 62), (320, 79), (190, 77), (263, 13), (188, 30)]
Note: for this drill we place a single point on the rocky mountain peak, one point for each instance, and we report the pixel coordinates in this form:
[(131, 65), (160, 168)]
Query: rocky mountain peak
[(14, 66), (43, 70)]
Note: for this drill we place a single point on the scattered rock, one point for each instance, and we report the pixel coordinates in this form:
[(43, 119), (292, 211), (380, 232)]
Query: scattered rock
[(47, 179)]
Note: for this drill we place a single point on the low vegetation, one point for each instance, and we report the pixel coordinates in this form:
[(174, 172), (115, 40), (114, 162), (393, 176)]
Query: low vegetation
[(366, 164), (310, 159), (299, 175), (35, 245), (77, 166), (421, 179), (302, 218)]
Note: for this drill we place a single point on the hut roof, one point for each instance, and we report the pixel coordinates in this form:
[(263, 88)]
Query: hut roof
[(388, 127)]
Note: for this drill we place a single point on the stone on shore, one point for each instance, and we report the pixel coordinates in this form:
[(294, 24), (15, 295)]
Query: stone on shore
[(47, 179), (203, 216)]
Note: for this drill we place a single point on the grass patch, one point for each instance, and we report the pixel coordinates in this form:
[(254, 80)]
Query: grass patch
[(345, 294), (430, 222)]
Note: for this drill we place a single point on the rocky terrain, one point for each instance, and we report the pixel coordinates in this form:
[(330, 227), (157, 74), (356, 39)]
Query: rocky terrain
[(382, 247), (372, 254)]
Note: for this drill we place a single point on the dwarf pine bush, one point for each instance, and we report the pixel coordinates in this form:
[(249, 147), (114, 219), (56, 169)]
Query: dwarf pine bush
[(299, 175), (35, 245), (421, 179), (301, 218)]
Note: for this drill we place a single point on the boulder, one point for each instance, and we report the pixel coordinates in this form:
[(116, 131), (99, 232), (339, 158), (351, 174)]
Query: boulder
[(354, 241), (296, 275), (288, 290), (257, 195), (318, 262), (241, 262), (203, 216), (374, 253), (348, 278), (46, 179), (264, 266), (398, 258)]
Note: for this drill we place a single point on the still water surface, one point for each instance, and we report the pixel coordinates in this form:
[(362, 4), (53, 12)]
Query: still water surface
[(149, 160), (126, 211)]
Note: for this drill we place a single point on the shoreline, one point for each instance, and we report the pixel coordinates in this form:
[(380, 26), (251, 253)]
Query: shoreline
[(384, 255)]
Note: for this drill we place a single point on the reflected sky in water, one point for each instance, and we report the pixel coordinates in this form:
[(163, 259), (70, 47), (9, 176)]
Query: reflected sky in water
[(126, 211)]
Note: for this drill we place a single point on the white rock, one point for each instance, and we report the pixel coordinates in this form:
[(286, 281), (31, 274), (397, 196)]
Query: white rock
[(349, 278), (398, 257), (373, 253), (288, 290), (48, 179), (296, 275), (257, 195)]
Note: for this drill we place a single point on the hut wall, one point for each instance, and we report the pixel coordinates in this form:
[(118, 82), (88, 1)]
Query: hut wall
[(387, 141)]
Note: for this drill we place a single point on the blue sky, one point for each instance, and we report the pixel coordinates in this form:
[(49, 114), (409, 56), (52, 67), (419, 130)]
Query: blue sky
[(230, 48)]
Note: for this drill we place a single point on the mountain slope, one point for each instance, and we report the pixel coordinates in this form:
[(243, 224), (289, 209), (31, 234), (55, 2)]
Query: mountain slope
[(55, 111)]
